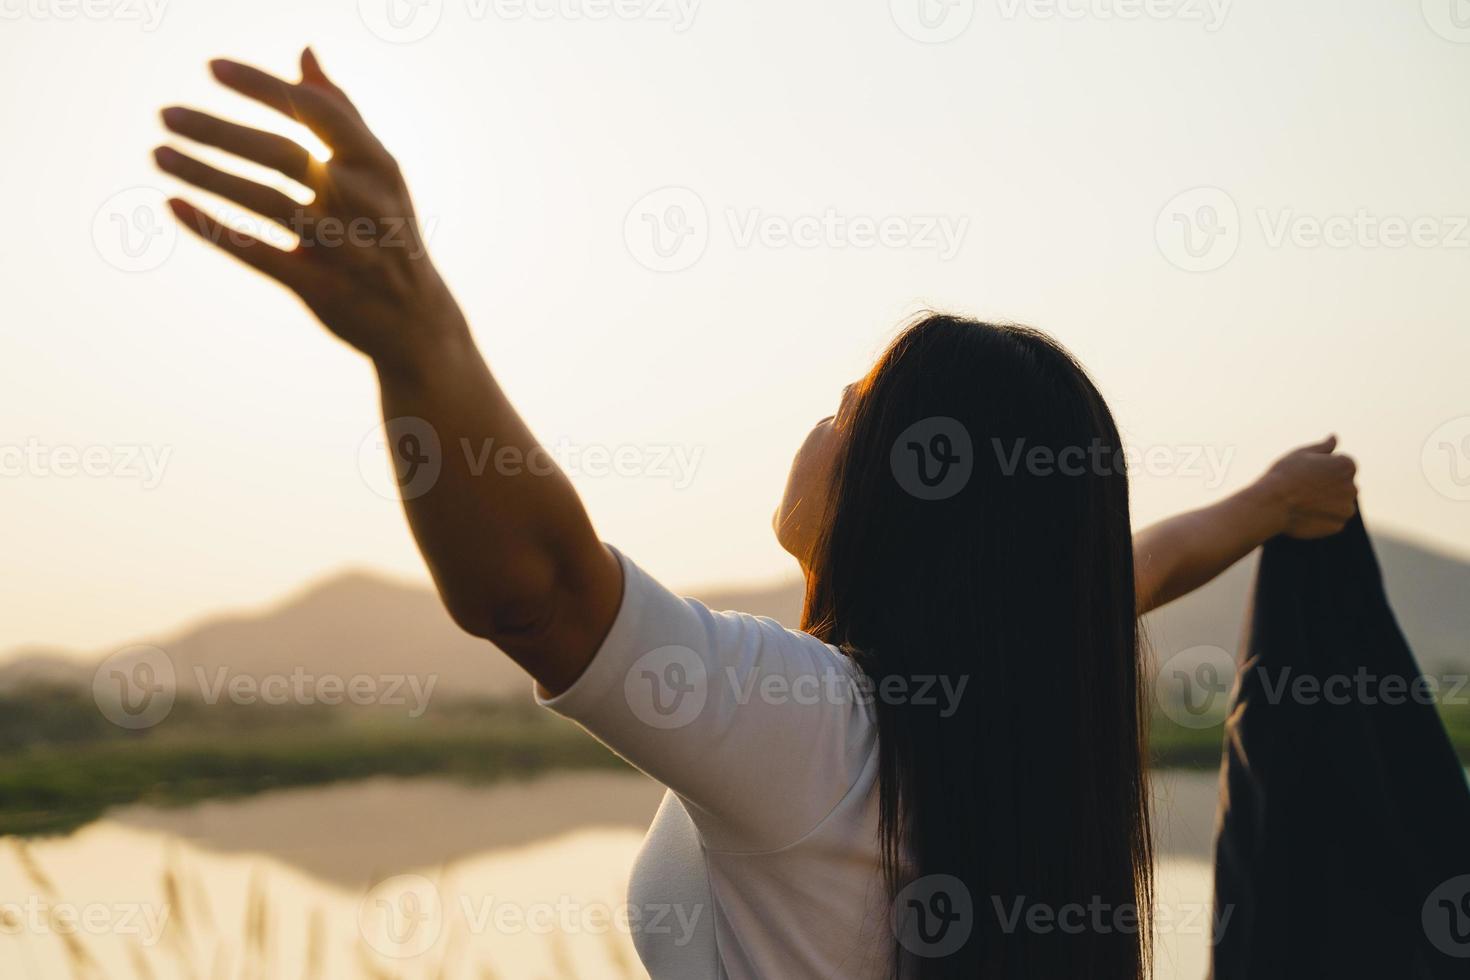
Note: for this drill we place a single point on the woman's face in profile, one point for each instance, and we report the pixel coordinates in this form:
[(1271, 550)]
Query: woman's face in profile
[(798, 519)]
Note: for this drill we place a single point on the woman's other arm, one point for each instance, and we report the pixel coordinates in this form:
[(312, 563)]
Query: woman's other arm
[(1308, 493)]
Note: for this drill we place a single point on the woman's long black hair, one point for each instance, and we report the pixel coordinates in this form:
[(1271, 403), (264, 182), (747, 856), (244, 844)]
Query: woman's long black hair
[(1014, 575)]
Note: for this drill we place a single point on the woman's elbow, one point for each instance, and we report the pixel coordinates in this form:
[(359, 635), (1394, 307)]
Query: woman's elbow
[(501, 619)]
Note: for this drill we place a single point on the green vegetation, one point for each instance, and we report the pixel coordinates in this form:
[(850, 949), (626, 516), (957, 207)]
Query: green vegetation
[(1172, 746), (62, 764)]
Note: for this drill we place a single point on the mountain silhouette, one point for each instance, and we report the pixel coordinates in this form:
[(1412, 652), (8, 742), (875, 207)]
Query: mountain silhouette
[(355, 623), (362, 623)]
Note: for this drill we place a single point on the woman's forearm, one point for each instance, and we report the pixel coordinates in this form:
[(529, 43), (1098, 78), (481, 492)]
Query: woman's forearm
[(1308, 493), (501, 528), (1181, 553)]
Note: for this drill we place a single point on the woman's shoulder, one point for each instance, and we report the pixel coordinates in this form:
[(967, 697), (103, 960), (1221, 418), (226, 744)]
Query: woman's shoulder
[(794, 657)]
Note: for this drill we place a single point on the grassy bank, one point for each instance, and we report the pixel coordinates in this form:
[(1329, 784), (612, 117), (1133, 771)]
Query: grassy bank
[(1172, 746), (63, 770), (62, 764)]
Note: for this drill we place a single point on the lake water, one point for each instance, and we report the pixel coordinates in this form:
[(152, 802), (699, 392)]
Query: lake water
[(411, 879)]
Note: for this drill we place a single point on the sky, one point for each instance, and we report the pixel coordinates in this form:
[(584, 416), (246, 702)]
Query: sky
[(679, 227)]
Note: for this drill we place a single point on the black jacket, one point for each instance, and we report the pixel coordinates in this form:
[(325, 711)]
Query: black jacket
[(1343, 844)]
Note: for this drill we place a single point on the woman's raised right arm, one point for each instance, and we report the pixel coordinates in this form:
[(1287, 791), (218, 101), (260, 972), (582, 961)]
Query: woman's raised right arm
[(504, 534)]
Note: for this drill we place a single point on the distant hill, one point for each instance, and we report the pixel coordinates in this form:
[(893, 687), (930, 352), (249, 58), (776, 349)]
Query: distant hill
[(353, 623), (1429, 592), (360, 623)]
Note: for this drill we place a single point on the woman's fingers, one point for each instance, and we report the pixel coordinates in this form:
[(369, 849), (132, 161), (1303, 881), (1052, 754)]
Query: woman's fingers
[(265, 201), (1338, 509), (1319, 488), (1342, 500), (322, 110), (312, 74), (279, 265), (267, 149), (1325, 446)]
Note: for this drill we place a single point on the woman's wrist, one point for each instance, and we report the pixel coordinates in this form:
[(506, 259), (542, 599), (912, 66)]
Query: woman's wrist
[(435, 342), (1268, 501)]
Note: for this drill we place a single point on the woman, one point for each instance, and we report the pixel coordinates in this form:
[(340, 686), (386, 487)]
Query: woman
[(942, 774)]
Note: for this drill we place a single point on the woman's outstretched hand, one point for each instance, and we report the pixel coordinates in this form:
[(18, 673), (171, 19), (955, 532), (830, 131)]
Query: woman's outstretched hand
[(1314, 489), (361, 265), (511, 549), (1308, 493)]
